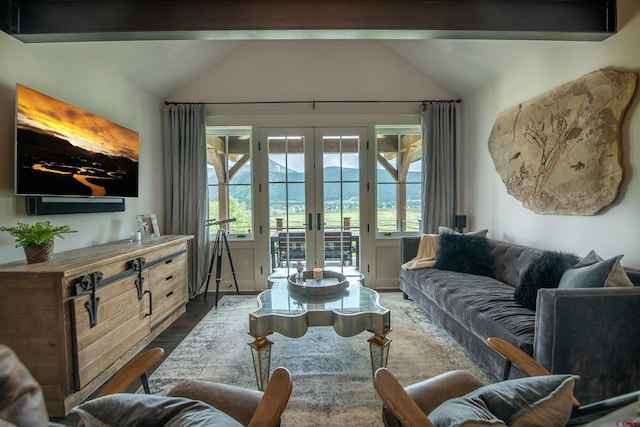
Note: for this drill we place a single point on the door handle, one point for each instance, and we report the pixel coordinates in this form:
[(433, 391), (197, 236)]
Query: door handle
[(319, 226), (310, 223)]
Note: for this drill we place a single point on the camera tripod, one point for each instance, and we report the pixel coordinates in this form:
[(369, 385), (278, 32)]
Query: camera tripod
[(216, 254)]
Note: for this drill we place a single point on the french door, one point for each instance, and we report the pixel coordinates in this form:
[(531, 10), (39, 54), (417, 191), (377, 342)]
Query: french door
[(314, 197)]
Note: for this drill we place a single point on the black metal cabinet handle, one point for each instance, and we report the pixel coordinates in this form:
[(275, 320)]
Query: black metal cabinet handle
[(92, 304), (150, 303)]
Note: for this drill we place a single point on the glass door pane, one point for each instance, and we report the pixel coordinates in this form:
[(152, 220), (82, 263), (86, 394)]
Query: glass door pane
[(339, 243), (287, 176), (314, 198)]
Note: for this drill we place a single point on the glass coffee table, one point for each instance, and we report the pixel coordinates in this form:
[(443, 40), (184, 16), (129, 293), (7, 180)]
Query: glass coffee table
[(350, 311)]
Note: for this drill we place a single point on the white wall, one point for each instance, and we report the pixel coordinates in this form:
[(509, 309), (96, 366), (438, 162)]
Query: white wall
[(312, 70), (616, 229), (73, 76)]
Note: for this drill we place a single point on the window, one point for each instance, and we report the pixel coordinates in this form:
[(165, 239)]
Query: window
[(398, 179), (229, 178)]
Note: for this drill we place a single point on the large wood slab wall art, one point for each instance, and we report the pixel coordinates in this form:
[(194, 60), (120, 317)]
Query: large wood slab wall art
[(559, 153)]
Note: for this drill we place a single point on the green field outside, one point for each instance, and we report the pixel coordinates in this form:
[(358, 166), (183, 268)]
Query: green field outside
[(386, 221)]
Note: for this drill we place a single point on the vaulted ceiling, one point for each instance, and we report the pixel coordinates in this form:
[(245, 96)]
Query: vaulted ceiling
[(163, 44)]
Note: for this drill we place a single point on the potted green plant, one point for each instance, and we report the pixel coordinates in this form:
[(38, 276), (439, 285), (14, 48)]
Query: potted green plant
[(37, 239)]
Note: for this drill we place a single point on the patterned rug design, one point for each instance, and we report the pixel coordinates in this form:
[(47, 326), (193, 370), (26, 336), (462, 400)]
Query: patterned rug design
[(332, 383)]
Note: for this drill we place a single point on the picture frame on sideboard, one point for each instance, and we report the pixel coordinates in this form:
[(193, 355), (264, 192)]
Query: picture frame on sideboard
[(148, 226)]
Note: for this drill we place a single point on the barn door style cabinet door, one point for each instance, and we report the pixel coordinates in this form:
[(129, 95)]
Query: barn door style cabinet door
[(76, 320)]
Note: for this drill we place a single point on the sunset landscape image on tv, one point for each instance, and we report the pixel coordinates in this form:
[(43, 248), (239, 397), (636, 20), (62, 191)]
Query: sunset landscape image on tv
[(63, 150)]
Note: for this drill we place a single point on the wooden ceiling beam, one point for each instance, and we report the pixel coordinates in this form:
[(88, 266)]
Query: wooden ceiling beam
[(91, 20)]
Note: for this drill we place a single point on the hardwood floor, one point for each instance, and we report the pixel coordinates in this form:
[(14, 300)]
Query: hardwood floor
[(169, 340)]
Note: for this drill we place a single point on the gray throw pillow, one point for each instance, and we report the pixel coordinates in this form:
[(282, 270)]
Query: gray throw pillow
[(447, 230), (533, 401), (129, 410), (594, 272)]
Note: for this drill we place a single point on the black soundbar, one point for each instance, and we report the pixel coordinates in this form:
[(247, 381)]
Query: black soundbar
[(45, 205)]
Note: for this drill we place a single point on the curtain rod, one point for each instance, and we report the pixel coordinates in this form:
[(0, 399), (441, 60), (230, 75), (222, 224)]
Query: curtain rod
[(423, 102)]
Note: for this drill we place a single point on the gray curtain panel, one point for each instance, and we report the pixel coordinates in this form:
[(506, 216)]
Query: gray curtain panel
[(438, 165), (186, 199)]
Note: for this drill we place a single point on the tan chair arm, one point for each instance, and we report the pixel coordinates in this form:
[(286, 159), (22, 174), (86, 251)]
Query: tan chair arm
[(398, 400), (132, 371), (274, 400)]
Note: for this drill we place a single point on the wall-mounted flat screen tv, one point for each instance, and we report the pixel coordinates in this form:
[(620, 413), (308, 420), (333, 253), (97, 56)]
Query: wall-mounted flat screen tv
[(62, 150)]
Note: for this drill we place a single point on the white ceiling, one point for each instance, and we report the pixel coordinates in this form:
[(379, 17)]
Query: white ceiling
[(161, 67)]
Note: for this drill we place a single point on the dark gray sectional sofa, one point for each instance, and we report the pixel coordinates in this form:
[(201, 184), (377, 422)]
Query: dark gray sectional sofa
[(592, 332)]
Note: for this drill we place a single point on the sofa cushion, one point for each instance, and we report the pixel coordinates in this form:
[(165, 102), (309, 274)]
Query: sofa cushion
[(594, 272), (533, 401), (127, 409), (464, 253), (544, 272), (482, 305), (511, 261)]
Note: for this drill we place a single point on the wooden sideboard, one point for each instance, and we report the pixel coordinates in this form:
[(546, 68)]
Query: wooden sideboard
[(76, 320)]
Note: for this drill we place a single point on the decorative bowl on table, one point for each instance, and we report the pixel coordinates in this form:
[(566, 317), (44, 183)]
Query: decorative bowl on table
[(305, 284)]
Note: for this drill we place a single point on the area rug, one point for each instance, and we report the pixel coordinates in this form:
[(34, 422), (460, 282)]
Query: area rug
[(332, 380)]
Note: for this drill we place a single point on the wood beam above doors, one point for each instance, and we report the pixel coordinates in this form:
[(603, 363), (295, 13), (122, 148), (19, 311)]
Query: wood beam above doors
[(91, 20)]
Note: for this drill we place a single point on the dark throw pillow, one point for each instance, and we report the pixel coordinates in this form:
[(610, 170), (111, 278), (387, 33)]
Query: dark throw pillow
[(464, 253), (544, 272)]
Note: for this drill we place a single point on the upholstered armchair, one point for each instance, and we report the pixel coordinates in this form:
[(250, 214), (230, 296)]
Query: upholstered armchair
[(190, 403), (456, 396)]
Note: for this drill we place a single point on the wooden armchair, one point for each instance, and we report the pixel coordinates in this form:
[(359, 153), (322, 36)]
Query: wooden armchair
[(581, 413), (411, 405), (251, 408)]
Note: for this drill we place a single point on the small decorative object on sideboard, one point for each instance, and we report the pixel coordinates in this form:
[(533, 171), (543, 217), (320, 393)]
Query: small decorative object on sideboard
[(37, 239), (148, 226)]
